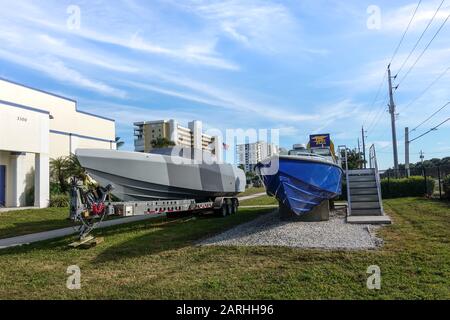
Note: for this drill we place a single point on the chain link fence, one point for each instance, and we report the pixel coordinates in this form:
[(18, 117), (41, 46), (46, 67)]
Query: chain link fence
[(435, 180)]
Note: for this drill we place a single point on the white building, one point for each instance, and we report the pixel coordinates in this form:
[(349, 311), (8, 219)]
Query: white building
[(36, 126), (191, 137), (249, 154)]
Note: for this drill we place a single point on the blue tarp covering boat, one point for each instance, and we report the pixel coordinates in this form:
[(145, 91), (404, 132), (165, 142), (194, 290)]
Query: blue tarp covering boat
[(301, 182)]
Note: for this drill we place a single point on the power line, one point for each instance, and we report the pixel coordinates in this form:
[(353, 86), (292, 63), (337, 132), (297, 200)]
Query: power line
[(404, 33), (392, 58), (421, 36), (432, 129), (426, 89), (378, 116), (424, 50), (376, 97), (436, 112)]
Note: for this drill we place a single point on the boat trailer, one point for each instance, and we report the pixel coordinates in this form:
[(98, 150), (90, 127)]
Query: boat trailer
[(90, 207)]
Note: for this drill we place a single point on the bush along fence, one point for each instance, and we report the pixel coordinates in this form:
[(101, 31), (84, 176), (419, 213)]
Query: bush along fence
[(430, 182), (435, 181)]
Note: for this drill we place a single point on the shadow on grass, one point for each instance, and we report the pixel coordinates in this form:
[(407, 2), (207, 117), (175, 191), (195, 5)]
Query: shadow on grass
[(24, 228), (151, 236), (170, 235)]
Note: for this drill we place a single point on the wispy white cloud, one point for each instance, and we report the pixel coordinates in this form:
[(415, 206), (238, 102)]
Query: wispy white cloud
[(111, 30), (269, 27), (396, 20), (59, 71)]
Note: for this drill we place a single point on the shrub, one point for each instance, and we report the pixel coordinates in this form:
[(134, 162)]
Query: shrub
[(446, 187), (59, 200), (413, 186), (405, 187), (343, 196), (55, 188)]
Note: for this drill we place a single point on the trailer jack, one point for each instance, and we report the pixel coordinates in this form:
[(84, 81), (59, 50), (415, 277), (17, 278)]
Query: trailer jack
[(87, 207)]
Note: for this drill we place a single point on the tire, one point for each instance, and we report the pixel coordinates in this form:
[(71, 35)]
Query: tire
[(223, 211), (233, 208)]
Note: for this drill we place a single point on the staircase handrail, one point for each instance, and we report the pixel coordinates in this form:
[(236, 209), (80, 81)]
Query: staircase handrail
[(373, 163), (347, 179)]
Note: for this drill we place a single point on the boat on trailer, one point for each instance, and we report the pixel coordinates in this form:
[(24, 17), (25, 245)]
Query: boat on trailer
[(169, 173), (304, 178), (168, 182)]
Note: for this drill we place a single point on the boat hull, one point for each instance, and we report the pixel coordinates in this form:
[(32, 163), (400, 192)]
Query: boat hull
[(143, 176), (301, 183)]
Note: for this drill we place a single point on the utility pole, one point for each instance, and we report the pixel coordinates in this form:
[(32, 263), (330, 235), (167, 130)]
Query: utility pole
[(421, 156), (364, 146), (407, 152), (359, 151), (392, 112)]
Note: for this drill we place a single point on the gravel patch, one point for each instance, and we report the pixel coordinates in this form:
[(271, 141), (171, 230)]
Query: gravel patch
[(269, 230)]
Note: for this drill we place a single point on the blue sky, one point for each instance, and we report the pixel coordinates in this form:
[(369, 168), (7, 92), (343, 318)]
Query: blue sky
[(299, 66)]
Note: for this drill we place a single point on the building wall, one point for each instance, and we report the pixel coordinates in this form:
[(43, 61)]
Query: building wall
[(153, 131), (59, 146), (5, 161), (65, 116), (33, 122)]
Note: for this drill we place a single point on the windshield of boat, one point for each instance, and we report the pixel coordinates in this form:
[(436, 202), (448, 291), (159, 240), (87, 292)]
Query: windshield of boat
[(299, 153), (324, 152)]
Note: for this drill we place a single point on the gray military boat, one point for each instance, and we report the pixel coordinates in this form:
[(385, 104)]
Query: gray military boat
[(170, 173)]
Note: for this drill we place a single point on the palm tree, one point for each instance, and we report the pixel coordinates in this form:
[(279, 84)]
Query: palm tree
[(75, 170), (119, 143), (59, 172), (162, 143)]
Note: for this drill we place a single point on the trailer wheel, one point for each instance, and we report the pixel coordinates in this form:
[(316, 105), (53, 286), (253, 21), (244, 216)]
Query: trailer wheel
[(233, 208), (222, 211)]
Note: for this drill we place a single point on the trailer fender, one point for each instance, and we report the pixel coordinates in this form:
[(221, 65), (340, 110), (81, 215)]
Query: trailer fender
[(218, 202)]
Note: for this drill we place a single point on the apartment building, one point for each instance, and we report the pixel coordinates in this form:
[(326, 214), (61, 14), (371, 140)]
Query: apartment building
[(191, 136), (249, 154)]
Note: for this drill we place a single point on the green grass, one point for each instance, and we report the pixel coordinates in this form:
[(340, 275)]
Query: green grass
[(263, 200), (16, 223), (21, 222), (251, 191), (159, 260)]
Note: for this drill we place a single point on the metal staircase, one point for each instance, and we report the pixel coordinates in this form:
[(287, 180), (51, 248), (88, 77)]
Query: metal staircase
[(365, 204)]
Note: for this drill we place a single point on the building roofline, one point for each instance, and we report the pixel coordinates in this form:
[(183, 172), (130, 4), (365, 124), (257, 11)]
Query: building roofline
[(57, 96), (80, 136), (39, 90), (140, 123), (21, 106), (95, 115)]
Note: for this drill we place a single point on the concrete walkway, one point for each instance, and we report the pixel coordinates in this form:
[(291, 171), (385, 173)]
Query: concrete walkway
[(256, 195), (260, 206), (59, 233), (3, 210), (53, 234)]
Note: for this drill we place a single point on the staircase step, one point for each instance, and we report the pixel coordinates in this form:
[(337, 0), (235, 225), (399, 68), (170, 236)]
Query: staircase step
[(361, 171), (369, 219), (361, 178), (364, 198), (365, 191), (358, 184), (365, 205), (366, 212)]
